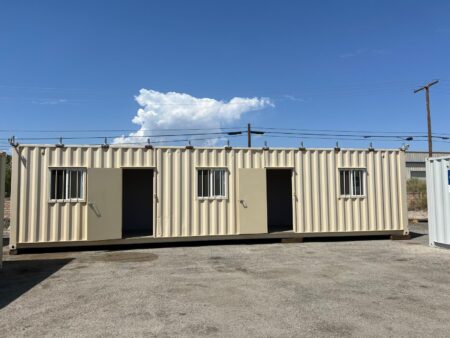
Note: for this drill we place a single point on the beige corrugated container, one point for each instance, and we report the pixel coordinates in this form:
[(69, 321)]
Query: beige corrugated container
[(2, 200), (316, 205)]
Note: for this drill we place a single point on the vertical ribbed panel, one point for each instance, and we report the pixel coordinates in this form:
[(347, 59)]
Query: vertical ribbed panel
[(317, 206), (438, 193), (2, 198)]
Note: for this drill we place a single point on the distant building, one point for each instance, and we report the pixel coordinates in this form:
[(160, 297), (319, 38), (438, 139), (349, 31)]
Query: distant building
[(415, 163)]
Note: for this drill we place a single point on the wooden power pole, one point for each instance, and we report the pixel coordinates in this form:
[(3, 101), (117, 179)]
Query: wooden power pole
[(250, 132), (427, 95)]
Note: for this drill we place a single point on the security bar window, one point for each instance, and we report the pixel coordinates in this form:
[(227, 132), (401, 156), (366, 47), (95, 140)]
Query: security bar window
[(352, 182), (67, 184), (211, 183)]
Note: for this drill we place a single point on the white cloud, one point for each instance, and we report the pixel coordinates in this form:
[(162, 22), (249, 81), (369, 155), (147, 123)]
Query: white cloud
[(51, 101), (164, 111), (293, 98)]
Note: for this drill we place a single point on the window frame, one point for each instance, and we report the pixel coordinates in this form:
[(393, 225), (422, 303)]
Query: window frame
[(66, 188), (211, 183), (352, 183)]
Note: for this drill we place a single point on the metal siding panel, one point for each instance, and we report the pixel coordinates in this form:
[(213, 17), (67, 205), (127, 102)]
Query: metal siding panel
[(45, 218), (2, 200), (223, 212), (232, 185), (177, 195), (340, 200), (315, 192), (363, 163), (15, 199), (299, 170), (379, 191), (393, 190), (348, 210), (431, 199), (371, 192), (196, 206), (332, 183), (438, 191), (308, 193), (188, 182), (24, 199), (446, 202), (386, 194)]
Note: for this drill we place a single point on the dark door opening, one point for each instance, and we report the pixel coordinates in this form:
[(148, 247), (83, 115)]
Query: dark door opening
[(279, 200), (137, 202)]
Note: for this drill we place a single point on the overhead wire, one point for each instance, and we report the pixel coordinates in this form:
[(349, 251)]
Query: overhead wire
[(105, 130), (297, 133), (126, 136)]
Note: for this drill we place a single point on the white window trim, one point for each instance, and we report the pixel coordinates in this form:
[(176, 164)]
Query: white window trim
[(66, 200), (364, 185), (211, 184)]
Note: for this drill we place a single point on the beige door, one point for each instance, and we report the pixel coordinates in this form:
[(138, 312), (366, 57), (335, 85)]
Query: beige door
[(252, 201), (104, 196)]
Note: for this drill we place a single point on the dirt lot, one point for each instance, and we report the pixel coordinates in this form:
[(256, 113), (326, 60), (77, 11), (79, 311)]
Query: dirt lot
[(347, 288)]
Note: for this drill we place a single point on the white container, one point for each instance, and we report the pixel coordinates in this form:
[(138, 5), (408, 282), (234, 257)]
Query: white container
[(438, 192)]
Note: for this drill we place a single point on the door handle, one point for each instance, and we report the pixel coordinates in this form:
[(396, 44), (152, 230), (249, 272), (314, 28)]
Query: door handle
[(95, 209), (244, 204)]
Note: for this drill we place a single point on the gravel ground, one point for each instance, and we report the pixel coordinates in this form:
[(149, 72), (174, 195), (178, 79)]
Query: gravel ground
[(350, 288)]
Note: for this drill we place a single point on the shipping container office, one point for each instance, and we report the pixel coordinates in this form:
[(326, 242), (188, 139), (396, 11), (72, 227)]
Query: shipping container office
[(80, 195), (438, 197)]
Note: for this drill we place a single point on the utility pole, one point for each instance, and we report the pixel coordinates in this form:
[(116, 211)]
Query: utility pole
[(427, 95), (249, 134)]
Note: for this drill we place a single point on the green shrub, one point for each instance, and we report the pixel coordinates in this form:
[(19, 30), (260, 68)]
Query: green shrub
[(415, 185), (417, 194)]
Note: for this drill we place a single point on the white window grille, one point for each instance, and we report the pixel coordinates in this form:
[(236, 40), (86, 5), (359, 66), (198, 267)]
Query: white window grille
[(211, 183), (352, 182), (67, 184)]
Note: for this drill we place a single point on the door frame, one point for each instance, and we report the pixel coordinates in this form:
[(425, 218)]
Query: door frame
[(155, 196), (293, 195)]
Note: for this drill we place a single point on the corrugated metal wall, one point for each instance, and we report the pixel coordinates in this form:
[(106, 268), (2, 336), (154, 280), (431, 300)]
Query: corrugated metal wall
[(438, 191), (317, 205), (2, 200)]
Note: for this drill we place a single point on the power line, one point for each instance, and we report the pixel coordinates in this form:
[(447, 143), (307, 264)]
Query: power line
[(106, 130), (343, 131), (224, 129), (127, 136), (342, 139), (296, 133), (405, 137), (365, 136), (177, 140)]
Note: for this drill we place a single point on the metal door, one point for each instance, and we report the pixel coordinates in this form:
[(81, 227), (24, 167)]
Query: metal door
[(252, 201), (104, 196)]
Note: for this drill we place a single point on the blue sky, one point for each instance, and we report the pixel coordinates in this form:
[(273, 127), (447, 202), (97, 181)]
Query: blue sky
[(340, 65)]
